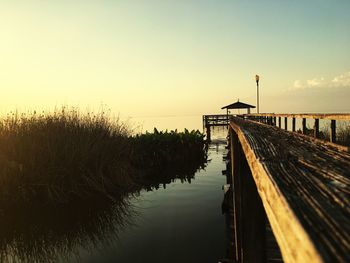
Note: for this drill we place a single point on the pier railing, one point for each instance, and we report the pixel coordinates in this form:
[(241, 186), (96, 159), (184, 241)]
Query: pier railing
[(299, 184), (276, 119), (214, 120)]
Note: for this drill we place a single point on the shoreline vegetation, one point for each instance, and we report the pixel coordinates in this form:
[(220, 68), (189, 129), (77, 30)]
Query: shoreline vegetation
[(67, 179), (343, 133), (65, 156)]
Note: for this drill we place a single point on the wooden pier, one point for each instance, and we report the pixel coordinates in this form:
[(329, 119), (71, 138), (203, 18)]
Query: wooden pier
[(297, 184), (214, 120), (274, 119)]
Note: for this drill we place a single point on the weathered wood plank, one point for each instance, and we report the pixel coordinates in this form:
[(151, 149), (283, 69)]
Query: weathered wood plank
[(332, 116), (305, 189), (253, 218), (249, 214)]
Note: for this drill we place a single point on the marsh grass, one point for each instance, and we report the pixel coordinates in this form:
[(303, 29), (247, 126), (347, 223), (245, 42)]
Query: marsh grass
[(343, 135), (66, 155), (342, 131), (67, 178), (63, 155)]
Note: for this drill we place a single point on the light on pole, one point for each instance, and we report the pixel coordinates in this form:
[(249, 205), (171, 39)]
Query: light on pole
[(257, 91)]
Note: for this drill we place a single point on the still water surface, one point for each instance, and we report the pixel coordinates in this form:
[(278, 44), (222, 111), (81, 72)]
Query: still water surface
[(178, 222)]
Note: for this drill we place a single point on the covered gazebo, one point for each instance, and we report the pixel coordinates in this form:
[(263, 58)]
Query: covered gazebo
[(238, 105)]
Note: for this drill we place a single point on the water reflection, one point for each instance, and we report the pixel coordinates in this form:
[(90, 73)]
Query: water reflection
[(49, 234), (37, 234), (184, 172)]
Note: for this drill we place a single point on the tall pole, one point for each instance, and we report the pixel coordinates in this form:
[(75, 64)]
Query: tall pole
[(257, 91)]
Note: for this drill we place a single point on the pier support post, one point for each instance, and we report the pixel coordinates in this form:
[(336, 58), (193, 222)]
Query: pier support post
[(249, 213), (293, 124), (317, 128), (208, 133), (253, 218), (279, 122), (285, 123), (236, 167), (304, 126), (333, 136)]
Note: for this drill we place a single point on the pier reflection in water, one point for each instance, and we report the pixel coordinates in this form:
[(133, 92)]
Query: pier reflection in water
[(178, 220)]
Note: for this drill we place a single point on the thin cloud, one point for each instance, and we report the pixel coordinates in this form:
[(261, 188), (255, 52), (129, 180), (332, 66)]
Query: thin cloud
[(339, 81), (342, 80)]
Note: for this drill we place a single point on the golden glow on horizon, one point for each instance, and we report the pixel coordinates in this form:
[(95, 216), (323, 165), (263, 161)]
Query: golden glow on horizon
[(156, 59)]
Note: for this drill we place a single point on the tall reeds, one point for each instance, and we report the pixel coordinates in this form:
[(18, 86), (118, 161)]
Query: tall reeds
[(66, 155), (66, 178), (63, 155), (343, 133)]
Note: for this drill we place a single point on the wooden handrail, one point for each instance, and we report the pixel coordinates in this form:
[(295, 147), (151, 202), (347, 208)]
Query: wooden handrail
[(271, 118), (327, 116), (304, 188)]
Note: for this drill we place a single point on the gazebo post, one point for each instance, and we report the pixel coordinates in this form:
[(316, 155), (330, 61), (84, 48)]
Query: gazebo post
[(227, 115)]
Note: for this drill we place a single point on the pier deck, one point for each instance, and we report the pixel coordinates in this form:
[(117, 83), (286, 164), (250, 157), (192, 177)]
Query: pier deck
[(299, 183)]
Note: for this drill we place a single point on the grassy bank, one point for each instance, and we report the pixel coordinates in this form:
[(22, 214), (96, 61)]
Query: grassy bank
[(342, 131), (65, 155), (343, 134), (161, 157)]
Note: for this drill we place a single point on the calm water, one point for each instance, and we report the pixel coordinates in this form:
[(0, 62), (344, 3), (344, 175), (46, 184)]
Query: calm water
[(179, 222), (143, 124)]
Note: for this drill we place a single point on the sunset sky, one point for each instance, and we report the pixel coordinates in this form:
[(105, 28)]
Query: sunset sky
[(180, 57)]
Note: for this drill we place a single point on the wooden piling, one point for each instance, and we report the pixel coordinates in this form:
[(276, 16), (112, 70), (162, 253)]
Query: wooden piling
[(285, 123), (304, 125), (237, 206), (293, 124), (333, 136), (317, 128), (208, 133)]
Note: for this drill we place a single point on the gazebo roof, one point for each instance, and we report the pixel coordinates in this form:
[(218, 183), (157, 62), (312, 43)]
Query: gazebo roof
[(238, 105)]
